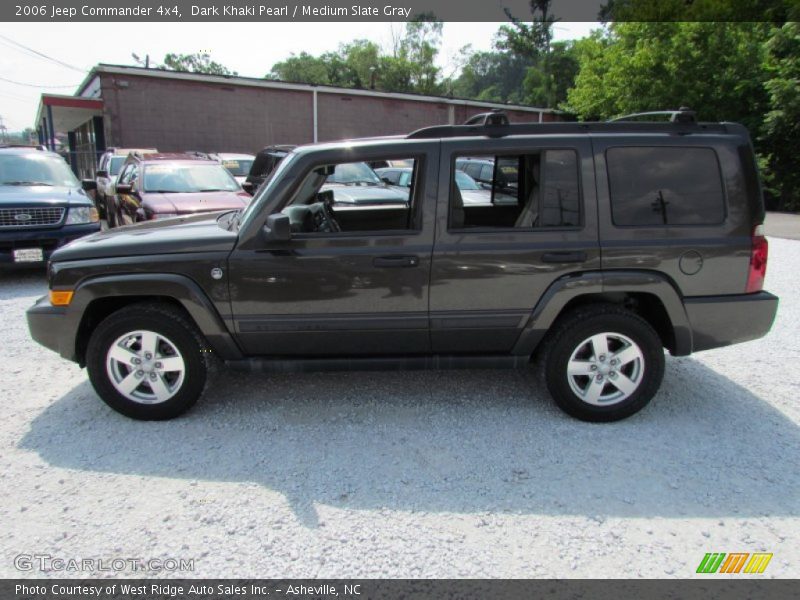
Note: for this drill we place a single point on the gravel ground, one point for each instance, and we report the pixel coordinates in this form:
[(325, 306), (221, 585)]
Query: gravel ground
[(431, 474)]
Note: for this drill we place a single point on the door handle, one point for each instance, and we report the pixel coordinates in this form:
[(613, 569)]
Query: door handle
[(564, 257), (395, 261)]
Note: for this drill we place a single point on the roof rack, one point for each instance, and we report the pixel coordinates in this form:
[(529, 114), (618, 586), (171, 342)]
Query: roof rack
[(683, 115), (496, 124)]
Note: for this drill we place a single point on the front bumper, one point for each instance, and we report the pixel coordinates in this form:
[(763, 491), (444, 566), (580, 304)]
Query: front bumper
[(48, 240), (50, 327), (724, 320)]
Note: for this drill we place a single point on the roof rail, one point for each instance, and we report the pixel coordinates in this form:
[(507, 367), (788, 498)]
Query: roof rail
[(682, 122), (683, 115)]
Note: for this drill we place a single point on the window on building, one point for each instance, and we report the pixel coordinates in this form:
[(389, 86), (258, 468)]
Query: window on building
[(665, 186), (535, 190)]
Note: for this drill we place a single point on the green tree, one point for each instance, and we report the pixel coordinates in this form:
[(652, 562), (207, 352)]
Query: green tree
[(199, 62), (411, 67), (700, 10), (782, 122), (715, 68), (302, 68)]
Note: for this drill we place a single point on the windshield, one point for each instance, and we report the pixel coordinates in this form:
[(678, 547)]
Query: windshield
[(465, 182), (35, 169), (239, 167), (115, 165), (188, 178), (263, 192), (359, 172)]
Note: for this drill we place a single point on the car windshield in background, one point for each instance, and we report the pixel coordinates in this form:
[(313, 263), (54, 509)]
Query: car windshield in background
[(238, 167), (465, 182), (115, 165), (188, 178), (35, 169), (354, 173)]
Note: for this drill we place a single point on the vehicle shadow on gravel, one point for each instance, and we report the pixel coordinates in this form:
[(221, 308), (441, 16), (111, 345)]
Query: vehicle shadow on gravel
[(458, 441)]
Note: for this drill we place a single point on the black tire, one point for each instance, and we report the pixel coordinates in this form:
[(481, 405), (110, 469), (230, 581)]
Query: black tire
[(100, 204), (567, 337), (178, 331), (111, 221)]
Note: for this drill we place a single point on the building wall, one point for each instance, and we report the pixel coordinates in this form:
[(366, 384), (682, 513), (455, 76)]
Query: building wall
[(175, 115)]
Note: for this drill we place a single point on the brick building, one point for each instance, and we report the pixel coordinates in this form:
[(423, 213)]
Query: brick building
[(174, 111)]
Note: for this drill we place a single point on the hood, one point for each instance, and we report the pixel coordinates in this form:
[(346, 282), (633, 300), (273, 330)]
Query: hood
[(197, 202), (198, 233), (365, 194), (469, 197), (41, 195)]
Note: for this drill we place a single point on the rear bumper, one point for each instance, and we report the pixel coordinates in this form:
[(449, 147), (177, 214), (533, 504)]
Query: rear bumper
[(48, 240), (724, 320)]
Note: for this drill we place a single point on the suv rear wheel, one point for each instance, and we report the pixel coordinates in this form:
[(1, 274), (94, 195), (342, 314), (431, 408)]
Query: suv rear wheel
[(603, 363), (147, 362)]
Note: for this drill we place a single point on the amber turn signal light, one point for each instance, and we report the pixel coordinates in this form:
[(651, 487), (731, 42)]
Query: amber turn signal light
[(60, 297)]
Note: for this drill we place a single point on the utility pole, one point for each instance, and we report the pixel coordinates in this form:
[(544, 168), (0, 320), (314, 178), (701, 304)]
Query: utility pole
[(3, 131)]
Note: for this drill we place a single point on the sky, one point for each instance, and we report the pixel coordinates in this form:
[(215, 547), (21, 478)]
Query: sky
[(248, 48)]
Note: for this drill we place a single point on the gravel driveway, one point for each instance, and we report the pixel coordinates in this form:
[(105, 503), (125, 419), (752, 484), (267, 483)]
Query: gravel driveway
[(430, 474)]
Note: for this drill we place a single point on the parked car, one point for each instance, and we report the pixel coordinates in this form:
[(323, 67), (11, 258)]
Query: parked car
[(263, 165), (42, 206), (237, 164), (106, 175), (471, 192), (357, 184), (626, 239), (159, 186)]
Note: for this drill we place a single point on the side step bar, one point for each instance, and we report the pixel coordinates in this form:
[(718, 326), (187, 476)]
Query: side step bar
[(387, 363)]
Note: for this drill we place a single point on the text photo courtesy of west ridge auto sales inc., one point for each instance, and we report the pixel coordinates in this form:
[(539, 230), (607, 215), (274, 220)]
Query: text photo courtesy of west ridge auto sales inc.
[(399, 300)]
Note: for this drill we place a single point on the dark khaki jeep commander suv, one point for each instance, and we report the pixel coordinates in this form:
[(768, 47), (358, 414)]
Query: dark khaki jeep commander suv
[(605, 244)]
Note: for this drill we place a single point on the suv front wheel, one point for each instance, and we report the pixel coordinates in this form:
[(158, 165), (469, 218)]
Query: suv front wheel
[(147, 361), (603, 363)]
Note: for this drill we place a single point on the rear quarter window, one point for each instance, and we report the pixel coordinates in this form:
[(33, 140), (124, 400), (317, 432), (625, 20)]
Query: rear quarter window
[(663, 186)]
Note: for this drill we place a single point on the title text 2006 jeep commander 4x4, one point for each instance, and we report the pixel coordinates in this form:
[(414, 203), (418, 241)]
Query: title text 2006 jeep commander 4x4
[(605, 244)]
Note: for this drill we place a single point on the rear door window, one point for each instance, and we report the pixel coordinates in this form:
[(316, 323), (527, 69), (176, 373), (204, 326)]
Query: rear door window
[(665, 186)]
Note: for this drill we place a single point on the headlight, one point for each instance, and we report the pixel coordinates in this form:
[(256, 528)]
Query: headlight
[(78, 215), (163, 215)]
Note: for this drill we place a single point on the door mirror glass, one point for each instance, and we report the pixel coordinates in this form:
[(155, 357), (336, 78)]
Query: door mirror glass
[(278, 228)]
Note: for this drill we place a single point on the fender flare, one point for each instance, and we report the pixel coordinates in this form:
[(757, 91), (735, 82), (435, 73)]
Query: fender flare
[(178, 287), (569, 287)]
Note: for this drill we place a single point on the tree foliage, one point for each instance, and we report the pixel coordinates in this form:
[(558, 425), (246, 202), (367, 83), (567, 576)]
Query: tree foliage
[(638, 67), (781, 130), (198, 62), (410, 67)]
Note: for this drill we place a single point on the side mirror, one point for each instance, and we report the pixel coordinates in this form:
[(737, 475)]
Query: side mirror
[(278, 228), (88, 184), (386, 180), (248, 187), (123, 188), (101, 173)]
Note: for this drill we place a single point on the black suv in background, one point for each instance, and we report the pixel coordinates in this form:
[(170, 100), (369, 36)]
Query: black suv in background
[(616, 241), (42, 206)]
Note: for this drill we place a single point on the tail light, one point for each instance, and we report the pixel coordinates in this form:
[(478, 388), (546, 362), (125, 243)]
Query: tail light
[(758, 261)]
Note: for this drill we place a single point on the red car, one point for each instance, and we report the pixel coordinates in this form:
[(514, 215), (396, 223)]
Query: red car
[(159, 186)]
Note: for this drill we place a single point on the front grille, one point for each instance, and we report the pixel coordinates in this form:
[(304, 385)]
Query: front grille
[(30, 217)]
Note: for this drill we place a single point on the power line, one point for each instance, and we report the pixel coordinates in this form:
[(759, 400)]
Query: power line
[(45, 56), (34, 85)]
